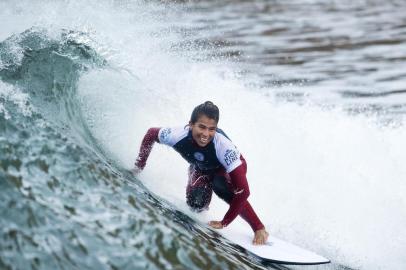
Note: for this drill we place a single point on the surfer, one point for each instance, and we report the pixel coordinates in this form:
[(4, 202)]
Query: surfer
[(215, 165)]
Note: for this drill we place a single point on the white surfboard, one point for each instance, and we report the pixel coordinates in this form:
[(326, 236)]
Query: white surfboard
[(238, 232), (275, 250)]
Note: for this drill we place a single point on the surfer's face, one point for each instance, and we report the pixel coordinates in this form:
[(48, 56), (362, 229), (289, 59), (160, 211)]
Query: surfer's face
[(203, 130)]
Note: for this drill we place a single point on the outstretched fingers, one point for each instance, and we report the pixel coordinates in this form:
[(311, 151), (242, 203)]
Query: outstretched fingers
[(260, 237), (216, 224)]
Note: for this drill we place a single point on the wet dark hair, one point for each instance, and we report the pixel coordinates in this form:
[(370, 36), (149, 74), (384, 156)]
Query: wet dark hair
[(208, 109)]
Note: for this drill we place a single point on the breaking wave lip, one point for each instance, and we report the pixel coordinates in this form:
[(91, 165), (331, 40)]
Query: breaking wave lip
[(48, 69)]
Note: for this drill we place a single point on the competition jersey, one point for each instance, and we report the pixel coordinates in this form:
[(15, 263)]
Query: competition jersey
[(220, 152)]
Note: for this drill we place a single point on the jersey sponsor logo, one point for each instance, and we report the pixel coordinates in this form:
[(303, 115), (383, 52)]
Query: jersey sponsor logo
[(198, 156), (164, 136), (230, 156)]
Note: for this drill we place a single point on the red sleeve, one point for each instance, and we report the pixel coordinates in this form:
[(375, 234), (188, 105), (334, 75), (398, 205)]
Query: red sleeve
[(146, 146), (241, 192)]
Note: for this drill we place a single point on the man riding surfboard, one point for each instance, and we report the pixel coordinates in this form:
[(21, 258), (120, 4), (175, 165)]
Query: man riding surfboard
[(215, 165)]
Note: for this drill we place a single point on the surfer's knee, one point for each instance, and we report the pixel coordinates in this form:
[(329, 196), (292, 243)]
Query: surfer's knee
[(198, 199)]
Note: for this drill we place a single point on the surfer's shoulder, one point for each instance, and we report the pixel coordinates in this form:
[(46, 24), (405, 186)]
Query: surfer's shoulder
[(221, 139), (171, 135)]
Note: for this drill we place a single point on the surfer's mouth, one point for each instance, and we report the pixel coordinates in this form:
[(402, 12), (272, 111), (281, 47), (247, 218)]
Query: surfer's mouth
[(203, 141)]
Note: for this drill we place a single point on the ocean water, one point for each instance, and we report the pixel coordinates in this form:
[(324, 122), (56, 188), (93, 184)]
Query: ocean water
[(313, 93)]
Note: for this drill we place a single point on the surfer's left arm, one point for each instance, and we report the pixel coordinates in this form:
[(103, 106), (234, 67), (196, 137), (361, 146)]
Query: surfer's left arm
[(241, 193), (240, 205)]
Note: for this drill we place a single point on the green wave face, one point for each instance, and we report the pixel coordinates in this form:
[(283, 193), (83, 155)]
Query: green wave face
[(64, 204)]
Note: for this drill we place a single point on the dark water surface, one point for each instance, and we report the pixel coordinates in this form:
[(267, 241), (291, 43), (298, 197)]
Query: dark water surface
[(347, 52)]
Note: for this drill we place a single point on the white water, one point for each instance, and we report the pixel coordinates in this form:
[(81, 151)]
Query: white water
[(319, 178)]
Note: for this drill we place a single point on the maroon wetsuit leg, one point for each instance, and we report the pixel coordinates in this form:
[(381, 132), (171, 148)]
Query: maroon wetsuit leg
[(199, 189)]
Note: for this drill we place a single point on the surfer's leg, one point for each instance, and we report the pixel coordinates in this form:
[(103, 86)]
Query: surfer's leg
[(198, 190), (222, 187)]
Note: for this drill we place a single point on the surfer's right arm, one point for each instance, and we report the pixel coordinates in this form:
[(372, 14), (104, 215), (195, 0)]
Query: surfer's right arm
[(145, 149)]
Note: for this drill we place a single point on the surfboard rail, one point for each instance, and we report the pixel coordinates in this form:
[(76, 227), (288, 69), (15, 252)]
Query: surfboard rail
[(275, 251)]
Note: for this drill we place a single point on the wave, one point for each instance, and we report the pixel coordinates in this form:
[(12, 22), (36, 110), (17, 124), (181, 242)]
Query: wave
[(65, 203), (74, 104)]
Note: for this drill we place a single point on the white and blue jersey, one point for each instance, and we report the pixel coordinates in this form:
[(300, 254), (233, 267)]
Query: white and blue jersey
[(220, 152)]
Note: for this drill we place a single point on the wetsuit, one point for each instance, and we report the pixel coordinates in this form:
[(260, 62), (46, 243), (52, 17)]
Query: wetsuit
[(217, 167)]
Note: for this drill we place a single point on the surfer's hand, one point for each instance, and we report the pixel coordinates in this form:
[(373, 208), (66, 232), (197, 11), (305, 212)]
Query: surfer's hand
[(260, 237), (216, 224), (139, 165), (136, 170)]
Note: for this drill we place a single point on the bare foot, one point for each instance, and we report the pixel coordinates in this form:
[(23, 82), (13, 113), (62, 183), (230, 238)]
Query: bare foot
[(260, 237)]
